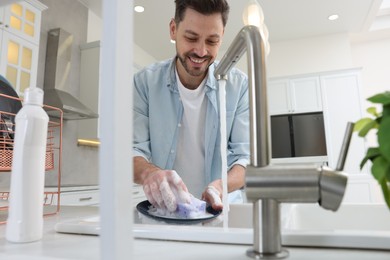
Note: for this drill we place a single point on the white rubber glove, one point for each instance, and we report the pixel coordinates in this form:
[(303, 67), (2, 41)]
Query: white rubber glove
[(212, 196), (164, 189)]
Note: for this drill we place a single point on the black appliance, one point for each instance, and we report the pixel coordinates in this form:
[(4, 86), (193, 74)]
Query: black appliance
[(298, 135)]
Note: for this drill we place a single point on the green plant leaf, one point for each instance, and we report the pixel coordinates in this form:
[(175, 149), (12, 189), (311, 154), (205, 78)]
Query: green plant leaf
[(380, 156), (367, 125), (372, 111), (361, 123), (378, 120), (379, 168), (385, 190), (388, 174), (371, 154), (386, 111), (384, 138), (381, 98)]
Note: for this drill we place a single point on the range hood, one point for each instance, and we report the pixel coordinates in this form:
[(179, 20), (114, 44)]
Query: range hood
[(57, 69)]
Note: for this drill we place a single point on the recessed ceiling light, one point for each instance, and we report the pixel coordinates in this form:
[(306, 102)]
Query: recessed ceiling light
[(333, 17), (139, 8)]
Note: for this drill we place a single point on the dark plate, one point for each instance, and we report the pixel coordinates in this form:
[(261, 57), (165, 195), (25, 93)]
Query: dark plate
[(7, 104), (143, 207)]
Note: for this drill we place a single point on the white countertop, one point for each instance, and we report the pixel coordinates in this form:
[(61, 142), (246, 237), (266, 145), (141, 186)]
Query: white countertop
[(67, 246)]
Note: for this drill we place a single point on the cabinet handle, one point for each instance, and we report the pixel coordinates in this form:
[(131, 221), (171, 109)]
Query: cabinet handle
[(85, 199)]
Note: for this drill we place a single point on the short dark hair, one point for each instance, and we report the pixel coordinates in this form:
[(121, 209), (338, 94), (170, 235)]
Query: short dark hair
[(205, 7)]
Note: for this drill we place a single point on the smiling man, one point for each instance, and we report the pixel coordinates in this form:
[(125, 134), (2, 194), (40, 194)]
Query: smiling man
[(176, 114)]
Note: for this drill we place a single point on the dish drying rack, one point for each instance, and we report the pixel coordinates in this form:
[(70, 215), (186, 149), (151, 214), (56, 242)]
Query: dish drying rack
[(52, 161)]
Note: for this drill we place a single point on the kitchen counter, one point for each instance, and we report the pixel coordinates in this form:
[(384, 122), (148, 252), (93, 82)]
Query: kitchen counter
[(69, 246)]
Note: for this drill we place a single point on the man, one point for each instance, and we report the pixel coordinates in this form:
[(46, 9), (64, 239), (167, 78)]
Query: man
[(176, 114)]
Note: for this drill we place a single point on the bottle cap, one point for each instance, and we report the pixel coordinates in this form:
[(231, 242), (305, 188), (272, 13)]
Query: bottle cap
[(33, 96)]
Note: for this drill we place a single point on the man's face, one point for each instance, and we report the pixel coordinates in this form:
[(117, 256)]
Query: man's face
[(198, 38)]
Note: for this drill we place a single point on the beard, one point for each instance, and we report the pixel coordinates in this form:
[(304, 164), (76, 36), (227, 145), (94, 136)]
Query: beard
[(194, 71)]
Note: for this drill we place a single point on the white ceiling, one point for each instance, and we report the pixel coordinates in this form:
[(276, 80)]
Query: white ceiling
[(285, 19)]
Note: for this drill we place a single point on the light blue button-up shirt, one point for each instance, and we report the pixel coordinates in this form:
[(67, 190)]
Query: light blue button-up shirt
[(158, 113)]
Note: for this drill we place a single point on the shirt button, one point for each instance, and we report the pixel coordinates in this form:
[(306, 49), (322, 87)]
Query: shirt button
[(178, 125), (172, 151)]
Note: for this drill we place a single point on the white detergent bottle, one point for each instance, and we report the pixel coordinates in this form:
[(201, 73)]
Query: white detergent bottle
[(25, 217)]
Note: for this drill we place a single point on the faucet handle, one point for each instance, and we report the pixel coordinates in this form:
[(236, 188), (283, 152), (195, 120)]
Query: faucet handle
[(334, 182), (345, 146)]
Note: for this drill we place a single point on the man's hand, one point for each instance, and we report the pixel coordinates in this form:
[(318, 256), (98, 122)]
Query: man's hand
[(164, 189), (213, 195)]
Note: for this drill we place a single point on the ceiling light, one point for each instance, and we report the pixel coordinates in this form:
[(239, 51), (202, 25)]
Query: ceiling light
[(333, 17), (253, 14), (139, 8)]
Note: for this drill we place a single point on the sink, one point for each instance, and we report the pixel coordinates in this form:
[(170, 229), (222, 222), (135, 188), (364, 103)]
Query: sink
[(363, 226), (352, 226)]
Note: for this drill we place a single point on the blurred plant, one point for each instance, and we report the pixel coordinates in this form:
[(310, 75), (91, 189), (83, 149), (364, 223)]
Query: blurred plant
[(380, 155)]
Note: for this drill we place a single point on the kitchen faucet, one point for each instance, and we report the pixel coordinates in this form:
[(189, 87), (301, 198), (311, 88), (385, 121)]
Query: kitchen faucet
[(269, 185)]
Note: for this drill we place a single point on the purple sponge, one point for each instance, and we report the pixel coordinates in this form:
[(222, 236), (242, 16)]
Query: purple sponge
[(195, 209)]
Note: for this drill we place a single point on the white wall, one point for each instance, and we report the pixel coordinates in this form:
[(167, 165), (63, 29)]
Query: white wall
[(141, 58), (374, 58), (328, 53), (333, 52), (309, 55), (95, 25)]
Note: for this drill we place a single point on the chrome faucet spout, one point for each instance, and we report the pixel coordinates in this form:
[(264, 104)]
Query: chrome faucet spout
[(249, 40)]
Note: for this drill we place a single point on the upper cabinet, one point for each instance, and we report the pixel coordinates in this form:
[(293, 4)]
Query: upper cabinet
[(20, 25), (341, 92), (23, 19), (337, 94), (296, 95)]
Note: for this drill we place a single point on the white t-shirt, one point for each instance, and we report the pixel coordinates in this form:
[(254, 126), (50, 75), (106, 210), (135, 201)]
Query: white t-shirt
[(190, 163)]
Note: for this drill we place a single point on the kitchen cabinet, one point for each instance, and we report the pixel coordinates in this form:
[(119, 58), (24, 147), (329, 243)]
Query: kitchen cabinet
[(90, 196), (341, 91), (337, 94), (78, 196), (342, 97), (89, 88), (20, 25), (294, 95)]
